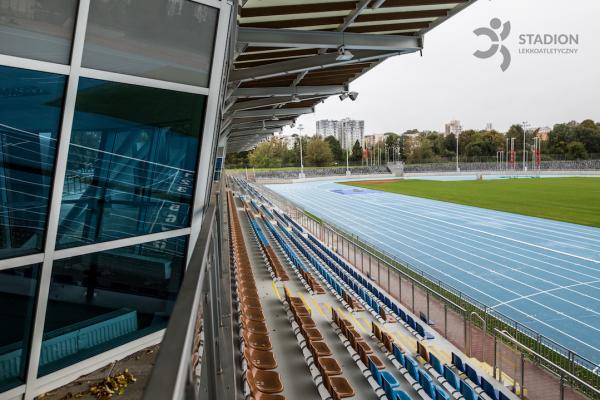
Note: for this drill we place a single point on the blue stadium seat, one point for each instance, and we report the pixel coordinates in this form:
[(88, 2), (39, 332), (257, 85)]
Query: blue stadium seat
[(472, 374), (390, 383), (375, 372), (467, 391), (451, 377), (489, 389), (458, 362), (401, 395), (436, 363), (426, 383), (440, 394), (412, 366), (398, 353)]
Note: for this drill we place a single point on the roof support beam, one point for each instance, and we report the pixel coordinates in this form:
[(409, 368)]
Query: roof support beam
[(264, 37), (275, 113), (254, 132), (350, 18), (268, 124), (285, 91), (270, 101), (306, 64)]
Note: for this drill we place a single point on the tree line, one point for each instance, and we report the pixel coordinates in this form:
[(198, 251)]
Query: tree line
[(571, 141)]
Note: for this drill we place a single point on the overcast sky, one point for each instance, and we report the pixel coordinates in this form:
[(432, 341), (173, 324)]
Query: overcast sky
[(448, 82)]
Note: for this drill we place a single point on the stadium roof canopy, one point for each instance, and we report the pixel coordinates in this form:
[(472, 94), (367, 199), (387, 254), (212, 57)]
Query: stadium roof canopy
[(289, 55)]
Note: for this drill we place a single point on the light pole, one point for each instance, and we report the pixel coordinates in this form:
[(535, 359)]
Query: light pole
[(525, 125), (301, 174), (347, 165)]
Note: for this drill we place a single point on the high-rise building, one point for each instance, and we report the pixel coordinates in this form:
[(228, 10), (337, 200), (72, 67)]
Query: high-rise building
[(453, 128), (489, 126), (327, 127), (347, 131)]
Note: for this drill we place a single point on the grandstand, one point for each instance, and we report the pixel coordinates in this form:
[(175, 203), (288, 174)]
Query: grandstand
[(352, 339)]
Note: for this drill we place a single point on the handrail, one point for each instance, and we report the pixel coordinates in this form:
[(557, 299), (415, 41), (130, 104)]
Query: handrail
[(170, 375), (563, 372)]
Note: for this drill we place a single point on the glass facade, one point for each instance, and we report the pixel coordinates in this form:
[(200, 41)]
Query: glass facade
[(27, 152), (173, 43), (102, 300), (37, 29), (131, 163), (18, 287)]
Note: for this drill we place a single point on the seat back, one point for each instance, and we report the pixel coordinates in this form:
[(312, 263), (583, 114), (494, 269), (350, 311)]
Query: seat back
[(374, 371)]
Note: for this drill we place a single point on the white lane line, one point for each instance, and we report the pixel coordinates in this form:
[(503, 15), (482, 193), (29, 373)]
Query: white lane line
[(544, 292)]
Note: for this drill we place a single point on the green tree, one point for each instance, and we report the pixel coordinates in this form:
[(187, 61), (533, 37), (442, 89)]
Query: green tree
[(356, 152), (318, 153), (576, 151), (336, 150)]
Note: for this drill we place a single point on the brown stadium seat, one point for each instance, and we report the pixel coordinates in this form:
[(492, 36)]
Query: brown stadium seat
[(254, 326), (307, 322), (387, 341), (262, 381), (260, 359), (257, 341), (253, 313), (338, 387), (319, 349), (311, 333), (329, 366)]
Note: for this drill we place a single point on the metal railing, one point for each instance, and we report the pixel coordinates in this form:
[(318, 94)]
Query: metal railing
[(190, 362)]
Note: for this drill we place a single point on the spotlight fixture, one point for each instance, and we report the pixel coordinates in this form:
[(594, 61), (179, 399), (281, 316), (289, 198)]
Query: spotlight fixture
[(274, 118), (343, 54), (295, 99), (353, 95), (343, 96)]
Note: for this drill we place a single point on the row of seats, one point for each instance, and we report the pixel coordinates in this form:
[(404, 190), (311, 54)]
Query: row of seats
[(479, 384), (263, 381), (314, 285), (419, 375), (331, 372), (352, 284), (268, 251), (363, 287), (384, 378)]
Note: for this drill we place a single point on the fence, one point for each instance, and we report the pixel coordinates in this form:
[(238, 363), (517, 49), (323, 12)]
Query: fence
[(537, 364), (556, 165)]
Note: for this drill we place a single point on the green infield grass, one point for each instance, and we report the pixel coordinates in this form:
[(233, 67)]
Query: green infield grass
[(575, 200)]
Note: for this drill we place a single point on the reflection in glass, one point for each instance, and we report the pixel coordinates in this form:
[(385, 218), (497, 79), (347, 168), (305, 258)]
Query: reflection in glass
[(102, 300), (30, 113), (131, 162), (37, 29), (18, 288), (170, 40)]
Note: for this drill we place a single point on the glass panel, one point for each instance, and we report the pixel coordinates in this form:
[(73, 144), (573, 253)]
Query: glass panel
[(30, 113), (171, 40), (103, 300), (18, 293), (37, 29), (131, 162)]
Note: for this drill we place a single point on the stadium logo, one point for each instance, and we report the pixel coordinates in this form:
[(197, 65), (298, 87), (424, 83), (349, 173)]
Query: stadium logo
[(497, 38)]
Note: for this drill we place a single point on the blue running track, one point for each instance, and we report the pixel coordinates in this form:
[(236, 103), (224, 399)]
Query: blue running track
[(544, 274)]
